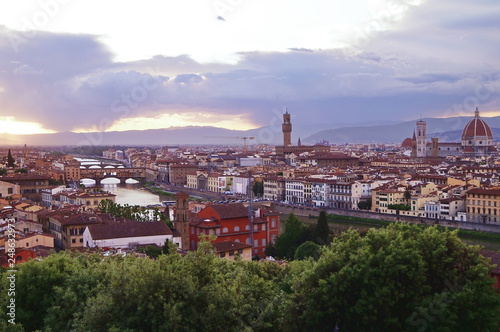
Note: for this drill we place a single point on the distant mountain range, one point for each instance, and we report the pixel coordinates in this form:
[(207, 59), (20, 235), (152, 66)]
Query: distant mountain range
[(446, 129)]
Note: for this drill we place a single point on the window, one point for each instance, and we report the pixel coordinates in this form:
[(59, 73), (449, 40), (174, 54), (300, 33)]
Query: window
[(231, 253), (236, 228), (222, 254), (10, 191), (224, 230), (73, 240)]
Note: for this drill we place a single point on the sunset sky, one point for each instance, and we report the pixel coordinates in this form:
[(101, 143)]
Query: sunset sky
[(118, 65)]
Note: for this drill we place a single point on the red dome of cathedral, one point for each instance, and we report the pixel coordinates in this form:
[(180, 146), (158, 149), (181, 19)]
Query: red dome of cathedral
[(407, 143), (476, 127)]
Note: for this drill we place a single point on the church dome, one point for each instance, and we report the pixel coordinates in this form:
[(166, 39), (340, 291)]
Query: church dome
[(407, 143), (476, 127)]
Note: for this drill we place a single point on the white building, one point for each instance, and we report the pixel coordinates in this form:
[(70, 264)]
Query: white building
[(240, 185), (127, 233), (294, 191), (360, 190)]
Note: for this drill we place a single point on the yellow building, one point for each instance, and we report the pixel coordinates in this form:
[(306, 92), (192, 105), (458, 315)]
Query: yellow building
[(31, 240), (230, 250), (72, 172), (381, 199), (8, 189), (482, 205), (91, 200), (68, 226)]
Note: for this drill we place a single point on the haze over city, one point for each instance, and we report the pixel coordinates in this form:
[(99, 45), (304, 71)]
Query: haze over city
[(120, 65)]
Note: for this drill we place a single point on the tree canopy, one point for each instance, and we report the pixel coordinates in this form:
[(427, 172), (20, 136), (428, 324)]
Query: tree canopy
[(294, 234), (399, 278)]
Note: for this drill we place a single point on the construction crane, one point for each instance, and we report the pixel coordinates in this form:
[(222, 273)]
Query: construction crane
[(244, 138)]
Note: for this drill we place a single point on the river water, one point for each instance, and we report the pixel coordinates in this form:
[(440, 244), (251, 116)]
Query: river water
[(131, 193)]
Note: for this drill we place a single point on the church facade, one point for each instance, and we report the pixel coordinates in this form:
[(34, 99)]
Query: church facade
[(477, 141)]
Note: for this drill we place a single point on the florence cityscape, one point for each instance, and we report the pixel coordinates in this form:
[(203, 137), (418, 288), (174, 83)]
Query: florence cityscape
[(233, 165)]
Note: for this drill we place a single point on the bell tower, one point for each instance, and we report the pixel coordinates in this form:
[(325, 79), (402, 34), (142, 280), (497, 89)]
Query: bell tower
[(421, 139), (181, 218), (287, 129)]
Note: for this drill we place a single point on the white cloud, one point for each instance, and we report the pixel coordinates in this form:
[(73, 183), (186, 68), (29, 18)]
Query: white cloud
[(422, 63)]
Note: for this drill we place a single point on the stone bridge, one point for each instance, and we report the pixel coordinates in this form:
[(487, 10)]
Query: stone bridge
[(98, 174)]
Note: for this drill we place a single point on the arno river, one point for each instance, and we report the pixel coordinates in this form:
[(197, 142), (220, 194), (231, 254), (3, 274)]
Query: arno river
[(130, 193)]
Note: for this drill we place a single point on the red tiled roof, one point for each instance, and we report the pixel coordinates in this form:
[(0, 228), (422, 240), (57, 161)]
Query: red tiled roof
[(229, 211), (128, 228), (476, 127), (484, 191), (407, 143), (229, 245)]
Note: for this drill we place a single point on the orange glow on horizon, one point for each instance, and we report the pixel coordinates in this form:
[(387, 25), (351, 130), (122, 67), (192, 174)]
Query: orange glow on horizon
[(165, 121), (8, 125)]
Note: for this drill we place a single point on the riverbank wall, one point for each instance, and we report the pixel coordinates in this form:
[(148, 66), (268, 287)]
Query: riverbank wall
[(314, 212)]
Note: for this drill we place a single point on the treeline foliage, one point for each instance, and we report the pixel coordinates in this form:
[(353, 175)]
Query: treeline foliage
[(365, 205), (295, 234), (400, 278), (402, 207), (132, 212)]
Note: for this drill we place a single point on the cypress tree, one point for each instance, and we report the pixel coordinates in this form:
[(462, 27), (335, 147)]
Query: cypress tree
[(321, 231), (10, 160)]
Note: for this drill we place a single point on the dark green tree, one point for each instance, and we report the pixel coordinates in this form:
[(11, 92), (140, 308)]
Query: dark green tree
[(258, 188), (153, 251), (11, 162), (407, 195), (271, 251), (400, 278), (321, 231), (294, 234), (306, 250), (365, 205)]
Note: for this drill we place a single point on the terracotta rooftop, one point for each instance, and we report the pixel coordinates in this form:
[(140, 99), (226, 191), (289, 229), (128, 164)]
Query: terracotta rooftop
[(476, 127), (229, 245), (484, 191), (229, 211), (128, 228)]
